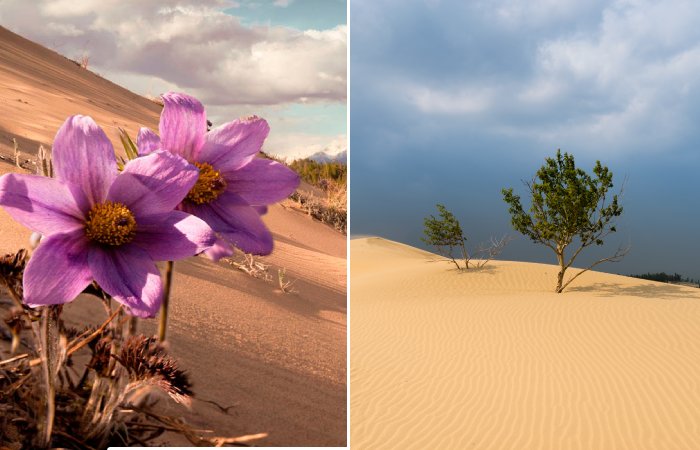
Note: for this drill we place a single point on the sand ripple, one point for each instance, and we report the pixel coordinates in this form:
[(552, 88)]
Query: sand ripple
[(493, 360)]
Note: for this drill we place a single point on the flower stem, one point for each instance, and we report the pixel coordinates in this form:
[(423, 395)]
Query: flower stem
[(163, 324), (51, 361)]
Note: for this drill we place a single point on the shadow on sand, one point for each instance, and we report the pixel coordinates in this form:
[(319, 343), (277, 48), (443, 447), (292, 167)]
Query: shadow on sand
[(667, 291), (488, 268), (309, 298)]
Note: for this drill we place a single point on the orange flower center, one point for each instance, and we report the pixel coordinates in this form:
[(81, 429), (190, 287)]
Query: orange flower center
[(110, 223), (209, 185)]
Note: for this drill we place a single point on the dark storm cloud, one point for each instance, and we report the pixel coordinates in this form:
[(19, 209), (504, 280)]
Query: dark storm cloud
[(451, 101)]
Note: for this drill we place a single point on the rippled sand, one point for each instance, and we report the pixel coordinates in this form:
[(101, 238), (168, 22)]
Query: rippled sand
[(493, 359)]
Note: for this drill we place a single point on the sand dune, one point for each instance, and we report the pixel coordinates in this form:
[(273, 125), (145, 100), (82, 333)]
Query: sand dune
[(39, 89), (279, 360), (493, 359)]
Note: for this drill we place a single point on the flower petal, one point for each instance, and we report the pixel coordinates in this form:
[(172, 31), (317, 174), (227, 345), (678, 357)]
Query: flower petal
[(262, 181), (153, 184), (58, 270), (236, 221), (233, 144), (147, 141), (182, 124), (261, 209), (43, 204), (220, 249), (130, 276), (174, 235), (83, 155)]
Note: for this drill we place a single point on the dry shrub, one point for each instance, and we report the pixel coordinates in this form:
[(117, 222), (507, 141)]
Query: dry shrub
[(84, 61), (250, 264), (285, 285), (155, 99), (50, 397), (331, 209), (253, 266)]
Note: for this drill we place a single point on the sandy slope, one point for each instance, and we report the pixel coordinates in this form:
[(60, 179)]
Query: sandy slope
[(492, 359), (278, 359), (39, 89)]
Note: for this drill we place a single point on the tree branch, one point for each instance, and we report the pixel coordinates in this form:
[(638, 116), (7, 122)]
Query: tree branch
[(619, 254), (493, 250)]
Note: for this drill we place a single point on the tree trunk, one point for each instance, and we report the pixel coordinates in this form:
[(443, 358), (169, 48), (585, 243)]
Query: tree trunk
[(560, 275), (465, 255)]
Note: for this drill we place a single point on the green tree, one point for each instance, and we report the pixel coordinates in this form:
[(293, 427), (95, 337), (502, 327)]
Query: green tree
[(568, 207), (445, 234)]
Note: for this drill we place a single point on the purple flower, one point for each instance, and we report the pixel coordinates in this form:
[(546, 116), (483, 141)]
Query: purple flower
[(233, 185), (101, 224)]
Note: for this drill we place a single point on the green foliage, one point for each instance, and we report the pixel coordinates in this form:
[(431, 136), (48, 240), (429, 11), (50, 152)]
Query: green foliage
[(444, 233), (314, 172), (132, 152), (665, 278), (566, 204)]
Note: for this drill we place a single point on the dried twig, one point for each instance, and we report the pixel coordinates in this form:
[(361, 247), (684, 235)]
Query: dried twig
[(14, 358), (285, 285), (48, 408), (17, 152), (486, 253), (252, 266), (44, 163)]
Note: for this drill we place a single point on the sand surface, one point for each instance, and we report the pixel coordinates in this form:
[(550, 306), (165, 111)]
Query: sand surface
[(492, 359), (278, 360)]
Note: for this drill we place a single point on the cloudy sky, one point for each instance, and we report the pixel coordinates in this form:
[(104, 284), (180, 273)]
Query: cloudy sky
[(284, 60), (452, 101)]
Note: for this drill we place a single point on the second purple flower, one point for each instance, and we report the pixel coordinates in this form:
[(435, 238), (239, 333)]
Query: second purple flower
[(234, 185)]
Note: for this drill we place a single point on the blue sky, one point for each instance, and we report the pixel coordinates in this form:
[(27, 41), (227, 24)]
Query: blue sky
[(284, 60), (299, 14), (452, 101)]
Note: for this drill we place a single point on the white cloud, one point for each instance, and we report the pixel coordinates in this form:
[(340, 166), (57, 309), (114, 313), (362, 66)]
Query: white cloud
[(640, 68), (534, 12), (441, 101), (69, 8), (63, 29), (194, 45), (303, 145), (628, 82), (540, 92)]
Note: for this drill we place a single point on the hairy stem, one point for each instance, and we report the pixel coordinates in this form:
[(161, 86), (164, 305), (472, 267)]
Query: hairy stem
[(163, 324), (51, 360)]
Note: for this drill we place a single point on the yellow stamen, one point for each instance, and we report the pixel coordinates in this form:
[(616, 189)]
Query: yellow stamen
[(209, 186), (110, 223)]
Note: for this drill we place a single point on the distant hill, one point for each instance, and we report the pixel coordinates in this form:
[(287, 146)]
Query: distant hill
[(323, 157)]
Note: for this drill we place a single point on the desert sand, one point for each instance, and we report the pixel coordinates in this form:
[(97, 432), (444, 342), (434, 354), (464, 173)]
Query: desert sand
[(275, 362), (493, 359)]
